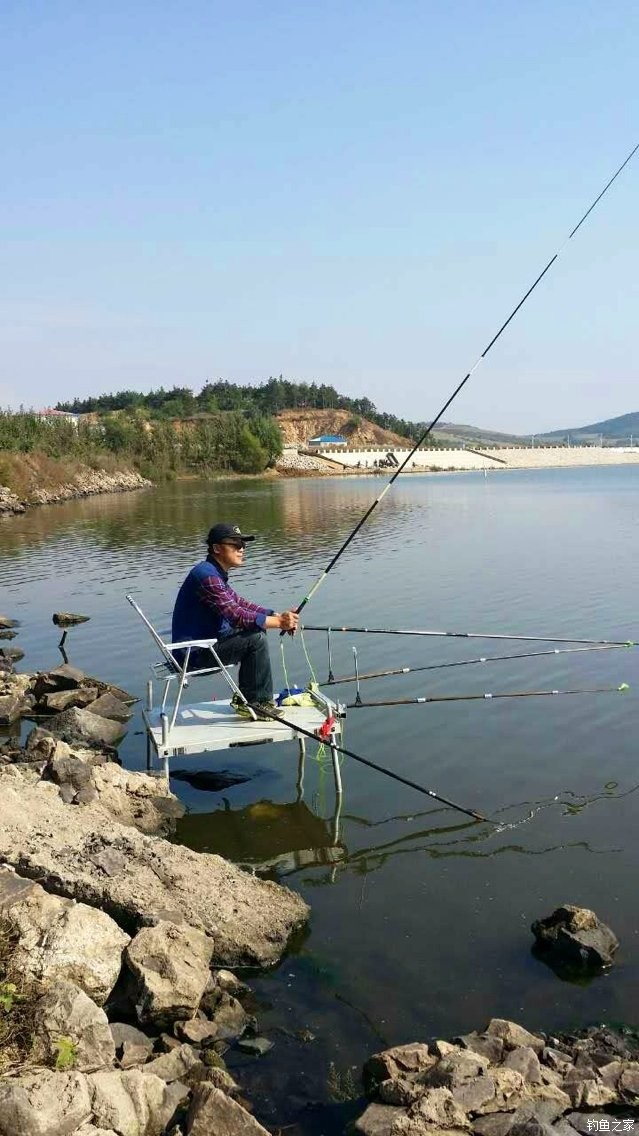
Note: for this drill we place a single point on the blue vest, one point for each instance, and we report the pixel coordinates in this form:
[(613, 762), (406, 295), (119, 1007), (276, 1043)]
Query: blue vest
[(191, 618)]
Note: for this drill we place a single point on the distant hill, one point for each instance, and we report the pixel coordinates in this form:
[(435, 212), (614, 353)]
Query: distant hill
[(452, 434), (611, 429), (298, 426)]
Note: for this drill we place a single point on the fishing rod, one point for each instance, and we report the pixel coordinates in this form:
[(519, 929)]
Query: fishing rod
[(422, 438), (470, 662), (471, 635), (621, 689), (373, 765)]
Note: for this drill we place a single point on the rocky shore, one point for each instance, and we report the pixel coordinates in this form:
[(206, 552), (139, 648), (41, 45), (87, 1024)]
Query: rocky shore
[(117, 1001), (85, 483)]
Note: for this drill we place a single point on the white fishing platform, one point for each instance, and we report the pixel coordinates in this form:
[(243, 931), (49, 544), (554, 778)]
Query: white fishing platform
[(179, 728)]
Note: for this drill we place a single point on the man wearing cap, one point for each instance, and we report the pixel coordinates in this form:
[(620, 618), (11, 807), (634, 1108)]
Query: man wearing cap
[(207, 607)]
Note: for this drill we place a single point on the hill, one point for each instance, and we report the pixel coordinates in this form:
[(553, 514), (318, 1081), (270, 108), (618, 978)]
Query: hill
[(611, 429), (450, 434), (297, 426)]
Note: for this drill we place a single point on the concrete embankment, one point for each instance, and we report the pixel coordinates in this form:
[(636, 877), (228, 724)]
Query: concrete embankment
[(503, 457)]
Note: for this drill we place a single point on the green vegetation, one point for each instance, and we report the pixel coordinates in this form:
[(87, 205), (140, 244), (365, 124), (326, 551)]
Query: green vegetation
[(264, 400), (18, 999), (341, 1084), (65, 1053), (158, 448)]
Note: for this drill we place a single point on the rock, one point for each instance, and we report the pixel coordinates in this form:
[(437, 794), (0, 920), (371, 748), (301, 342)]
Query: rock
[(514, 1035), (256, 1046), (443, 1048), (45, 1103), (181, 1064), (58, 700), (377, 1120), (228, 1017), (12, 654), (455, 1070), (170, 964), (108, 706), (213, 1112), (250, 920), (526, 1062), (473, 1095), (133, 1102), (556, 1059), (223, 1081), (77, 726), (511, 1091), (392, 1063), (70, 770), (575, 936), (91, 1130), (6, 622), (65, 1011), (69, 618), (8, 635), (61, 939), (587, 1123), (438, 1109), (231, 984), (484, 1044), (401, 1091), (10, 708), (629, 1082), (133, 1055), (135, 799), (493, 1124), (125, 1034), (197, 1031), (64, 677)]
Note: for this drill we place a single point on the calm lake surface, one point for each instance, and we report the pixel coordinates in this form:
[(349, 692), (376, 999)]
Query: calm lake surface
[(420, 919)]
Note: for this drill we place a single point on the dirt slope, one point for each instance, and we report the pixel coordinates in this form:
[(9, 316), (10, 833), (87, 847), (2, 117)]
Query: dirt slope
[(298, 426)]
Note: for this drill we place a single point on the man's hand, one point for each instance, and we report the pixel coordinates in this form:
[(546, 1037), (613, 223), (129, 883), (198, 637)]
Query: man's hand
[(289, 621)]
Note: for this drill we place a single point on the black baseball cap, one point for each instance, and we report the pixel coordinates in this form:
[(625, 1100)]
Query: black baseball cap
[(223, 532)]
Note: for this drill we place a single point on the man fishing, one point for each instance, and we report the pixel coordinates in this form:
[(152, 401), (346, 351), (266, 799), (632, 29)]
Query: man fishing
[(207, 607)]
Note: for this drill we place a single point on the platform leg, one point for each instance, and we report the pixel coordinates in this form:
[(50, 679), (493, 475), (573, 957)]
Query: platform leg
[(149, 759), (337, 773), (300, 768), (165, 767)]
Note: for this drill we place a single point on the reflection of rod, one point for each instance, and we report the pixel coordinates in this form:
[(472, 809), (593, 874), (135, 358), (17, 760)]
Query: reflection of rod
[(472, 635), (489, 457), (460, 385), (373, 765), (469, 662), (621, 689)]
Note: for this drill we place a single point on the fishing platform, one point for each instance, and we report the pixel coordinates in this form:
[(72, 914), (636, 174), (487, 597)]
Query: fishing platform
[(176, 728)]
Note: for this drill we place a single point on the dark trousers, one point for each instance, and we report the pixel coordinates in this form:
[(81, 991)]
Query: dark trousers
[(250, 650)]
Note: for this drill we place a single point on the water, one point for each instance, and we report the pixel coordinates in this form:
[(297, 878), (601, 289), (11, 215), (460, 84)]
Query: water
[(420, 919)]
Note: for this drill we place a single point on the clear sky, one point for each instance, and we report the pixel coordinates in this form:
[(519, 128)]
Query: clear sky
[(349, 192)]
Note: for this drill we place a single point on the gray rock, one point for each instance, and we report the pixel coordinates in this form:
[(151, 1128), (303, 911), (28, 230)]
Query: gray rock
[(248, 919), (576, 936), (64, 677), (438, 1109), (70, 771), (59, 939), (473, 1095), (77, 726), (108, 706), (181, 1064), (213, 1112), (229, 1017), (197, 1031), (8, 635), (133, 1055), (455, 1070), (170, 964), (629, 1082), (65, 1011), (377, 1120), (146, 803), (392, 1063), (514, 1035), (44, 1104), (493, 1124), (10, 708), (556, 1059), (256, 1046), (12, 654), (511, 1091), (69, 618), (125, 1034), (5, 622), (222, 1080), (402, 1091), (484, 1044), (231, 984), (526, 1062), (133, 1102)]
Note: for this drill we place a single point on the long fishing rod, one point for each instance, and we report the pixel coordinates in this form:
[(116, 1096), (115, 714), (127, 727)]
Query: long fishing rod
[(471, 635), (373, 765), (422, 438), (470, 663), (621, 689)]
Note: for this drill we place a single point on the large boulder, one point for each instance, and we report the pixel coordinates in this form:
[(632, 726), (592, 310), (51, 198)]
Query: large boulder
[(45, 1103), (66, 1012), (133, 1102), (85, 854), (213, 1112), (135, 799), (170, 965), (80, 727), (60, 939), (576, 937)]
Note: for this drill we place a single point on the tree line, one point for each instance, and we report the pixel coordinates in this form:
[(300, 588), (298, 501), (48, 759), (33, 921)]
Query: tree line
[(263, 399), (157, 448)]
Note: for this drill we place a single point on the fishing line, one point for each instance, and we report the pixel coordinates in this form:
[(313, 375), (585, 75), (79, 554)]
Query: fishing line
[(468, 663), (422, 438)]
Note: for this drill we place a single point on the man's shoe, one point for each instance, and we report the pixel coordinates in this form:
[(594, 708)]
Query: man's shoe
[(241, 707), (267, 710)]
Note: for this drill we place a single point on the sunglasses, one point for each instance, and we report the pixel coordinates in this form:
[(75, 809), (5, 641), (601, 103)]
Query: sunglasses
[(236, 544)]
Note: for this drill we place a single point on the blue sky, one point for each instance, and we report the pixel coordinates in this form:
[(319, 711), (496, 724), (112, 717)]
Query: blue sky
[(355, 193)]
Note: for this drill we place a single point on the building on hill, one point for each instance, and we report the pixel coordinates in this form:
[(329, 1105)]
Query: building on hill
[(50, 415), (328, 440)]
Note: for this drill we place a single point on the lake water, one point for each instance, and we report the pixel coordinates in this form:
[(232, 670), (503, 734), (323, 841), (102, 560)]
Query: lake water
[(420, 918)]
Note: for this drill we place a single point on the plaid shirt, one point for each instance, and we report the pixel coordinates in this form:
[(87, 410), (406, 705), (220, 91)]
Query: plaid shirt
[(233, 612)]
